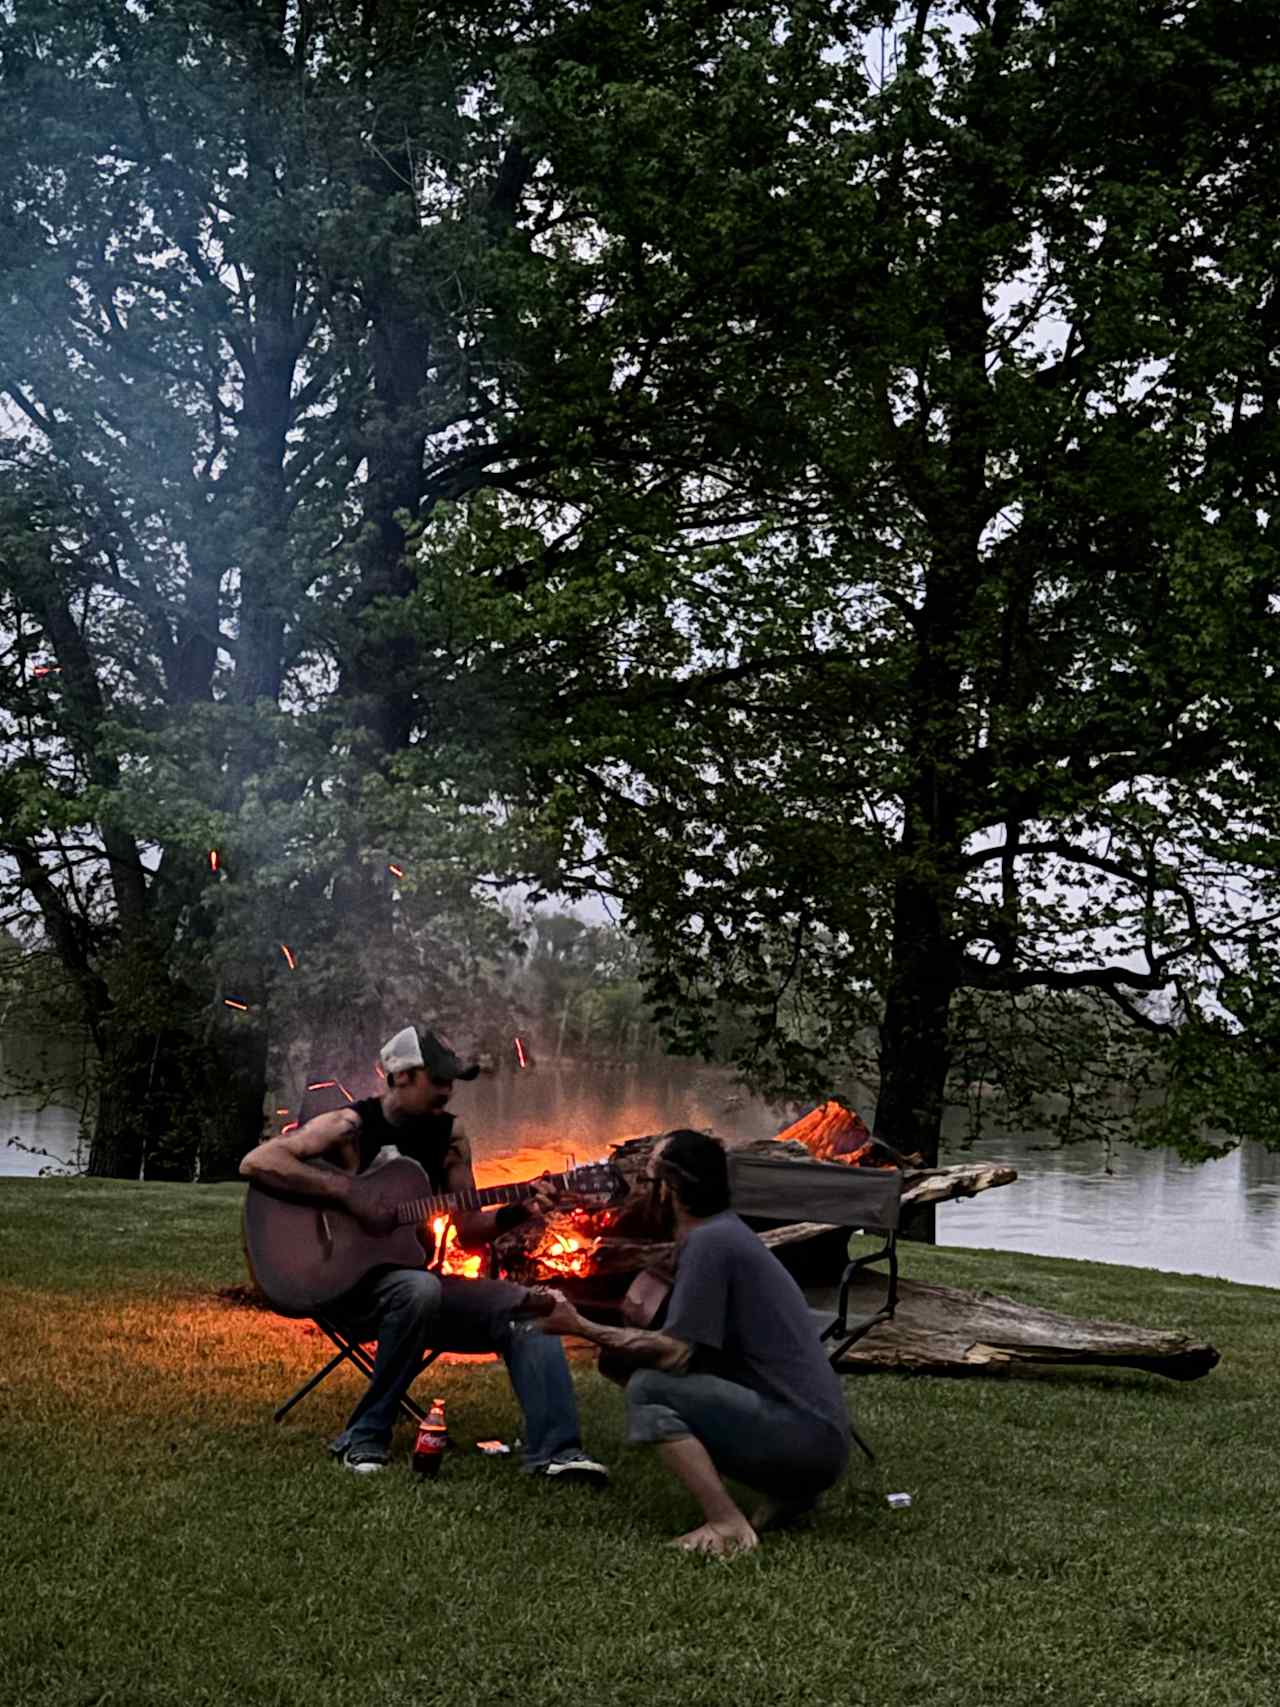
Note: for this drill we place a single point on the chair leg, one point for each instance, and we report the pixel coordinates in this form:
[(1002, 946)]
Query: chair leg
[(307, 1386), (860, 1442), (351, 1351), (364, 1363)]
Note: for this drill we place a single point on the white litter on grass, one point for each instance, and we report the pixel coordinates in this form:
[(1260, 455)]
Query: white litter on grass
[(899, 1502)]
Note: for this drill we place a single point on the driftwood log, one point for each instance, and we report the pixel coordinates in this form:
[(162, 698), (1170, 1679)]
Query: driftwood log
[(942, 1330)]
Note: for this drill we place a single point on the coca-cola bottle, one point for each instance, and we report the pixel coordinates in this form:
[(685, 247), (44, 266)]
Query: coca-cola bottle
[(433, 1437)]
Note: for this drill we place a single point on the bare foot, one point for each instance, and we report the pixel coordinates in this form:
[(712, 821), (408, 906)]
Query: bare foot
[(719, 1539), (779, 1514)]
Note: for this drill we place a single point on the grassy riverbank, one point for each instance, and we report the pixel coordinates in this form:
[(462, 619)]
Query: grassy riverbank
[(1075, 1540)]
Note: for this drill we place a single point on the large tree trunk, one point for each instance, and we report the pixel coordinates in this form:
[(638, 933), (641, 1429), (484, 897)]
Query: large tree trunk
[(232, 1119), (177, 1099), (144, 1127), (914, 1054)]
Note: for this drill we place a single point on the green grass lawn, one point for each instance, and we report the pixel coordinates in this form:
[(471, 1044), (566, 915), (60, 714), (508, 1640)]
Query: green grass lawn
[(1074, 1539)]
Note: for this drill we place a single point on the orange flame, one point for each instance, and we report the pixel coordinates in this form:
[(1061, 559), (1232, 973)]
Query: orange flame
[(455, 1259), (834, 1133), (288, 954)]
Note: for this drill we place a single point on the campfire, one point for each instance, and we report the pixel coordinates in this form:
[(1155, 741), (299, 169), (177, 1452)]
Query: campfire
[(456, 1258), (595, 1253)]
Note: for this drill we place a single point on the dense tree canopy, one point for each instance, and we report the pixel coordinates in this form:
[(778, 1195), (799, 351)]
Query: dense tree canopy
[(806, 470), (908, 626), (243, 344)]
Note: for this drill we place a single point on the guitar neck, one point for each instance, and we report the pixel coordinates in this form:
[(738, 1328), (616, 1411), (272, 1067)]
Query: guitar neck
[(418, 1209)]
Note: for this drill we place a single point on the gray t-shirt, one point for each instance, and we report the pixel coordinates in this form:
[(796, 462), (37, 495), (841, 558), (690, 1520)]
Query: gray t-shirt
[(736, 1304)]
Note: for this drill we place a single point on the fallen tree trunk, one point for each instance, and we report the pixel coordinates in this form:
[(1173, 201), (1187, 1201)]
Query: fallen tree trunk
[(942, 1330)]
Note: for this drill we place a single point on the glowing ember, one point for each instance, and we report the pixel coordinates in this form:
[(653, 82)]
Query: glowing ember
[(323, 1085), (455, 1259), (289, 956), (521, 1057), (214, 861), (240, 1007), (46, 669), (559, 1250), (282, 1111), (396, 870)]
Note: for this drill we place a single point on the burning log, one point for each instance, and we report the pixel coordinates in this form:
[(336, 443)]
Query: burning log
[(833, 1133)]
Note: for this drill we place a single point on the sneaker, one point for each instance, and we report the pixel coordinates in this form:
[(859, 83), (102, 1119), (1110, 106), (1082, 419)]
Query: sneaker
[(364, 1460), (573, 1465)]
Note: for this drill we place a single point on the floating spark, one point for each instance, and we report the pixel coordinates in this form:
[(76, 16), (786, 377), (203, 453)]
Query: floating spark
[(289, 956), (243, 1007), (291, 1127), (214, 861), (396, 870), (331, 1085), (521, 1057)]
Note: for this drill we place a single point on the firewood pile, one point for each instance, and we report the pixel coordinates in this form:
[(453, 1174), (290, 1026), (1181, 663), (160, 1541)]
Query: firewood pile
[(595, 1256)]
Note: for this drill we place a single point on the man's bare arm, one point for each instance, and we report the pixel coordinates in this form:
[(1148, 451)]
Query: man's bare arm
[(642, 1348), (283, 1162)]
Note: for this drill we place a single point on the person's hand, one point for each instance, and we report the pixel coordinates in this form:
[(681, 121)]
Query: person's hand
[(562, 1318), (544, 1198)]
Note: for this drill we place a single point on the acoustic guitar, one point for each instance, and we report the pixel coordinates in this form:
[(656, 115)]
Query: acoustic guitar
[(303, 1255)]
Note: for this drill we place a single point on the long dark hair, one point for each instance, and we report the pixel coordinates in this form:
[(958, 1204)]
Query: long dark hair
[(696, 1168)]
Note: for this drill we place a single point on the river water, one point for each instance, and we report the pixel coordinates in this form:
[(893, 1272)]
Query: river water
[(1152, 1211)]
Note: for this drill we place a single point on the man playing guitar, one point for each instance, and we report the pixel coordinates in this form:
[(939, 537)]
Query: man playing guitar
[(409, 1310)]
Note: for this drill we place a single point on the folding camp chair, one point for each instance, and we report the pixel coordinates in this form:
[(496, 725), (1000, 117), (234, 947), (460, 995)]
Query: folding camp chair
[(868, 1200), (359, 1357)]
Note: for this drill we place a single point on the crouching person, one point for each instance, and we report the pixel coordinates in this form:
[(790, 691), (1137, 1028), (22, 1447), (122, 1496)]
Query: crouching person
[(735, 1382)]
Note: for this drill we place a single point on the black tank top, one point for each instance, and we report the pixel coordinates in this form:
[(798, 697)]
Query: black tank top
[(426, 1139)]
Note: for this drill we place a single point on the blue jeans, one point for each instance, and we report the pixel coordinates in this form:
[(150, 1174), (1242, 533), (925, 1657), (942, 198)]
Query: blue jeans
[(411, 1311), (750, 1436)]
